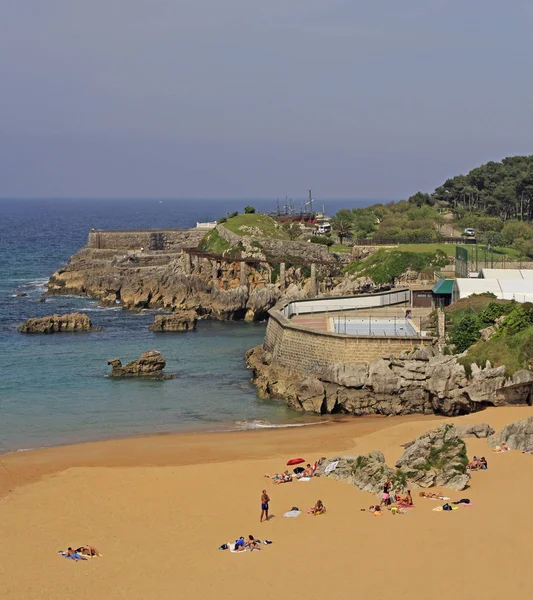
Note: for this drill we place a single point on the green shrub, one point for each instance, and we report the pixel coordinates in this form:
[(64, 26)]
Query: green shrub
[(249, 210), (325, 241), (223, 220)]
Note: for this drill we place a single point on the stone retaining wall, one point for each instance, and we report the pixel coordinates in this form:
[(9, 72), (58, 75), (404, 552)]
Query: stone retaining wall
[(155, 239), (313, 352)]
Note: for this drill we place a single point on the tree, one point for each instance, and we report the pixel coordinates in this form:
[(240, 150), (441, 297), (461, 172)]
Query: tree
[(249, 210), (292, 229), (343, 224)]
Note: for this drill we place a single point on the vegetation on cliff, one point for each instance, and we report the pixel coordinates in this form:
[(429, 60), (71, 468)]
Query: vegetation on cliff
[(213, 243), (509, 341), (256, 225), (385, 266)]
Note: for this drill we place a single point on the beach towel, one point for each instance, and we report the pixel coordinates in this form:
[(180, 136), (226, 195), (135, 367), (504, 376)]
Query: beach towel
[(331, 467), (304, 479), (292, 514)]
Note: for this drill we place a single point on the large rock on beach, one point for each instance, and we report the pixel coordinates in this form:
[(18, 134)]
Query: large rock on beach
[(72, 322), (436, 458), (179, 321), (478, 430), (149, 364), (368, 472), (517, 435)]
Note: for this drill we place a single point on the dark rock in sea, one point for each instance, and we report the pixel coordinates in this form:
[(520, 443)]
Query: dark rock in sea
[(436, 458), (150, 364), (21, 294), (517, 435), (179, 321), (68, 323)]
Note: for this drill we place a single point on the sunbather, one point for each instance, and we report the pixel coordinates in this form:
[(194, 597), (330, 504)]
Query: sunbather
[(432, 496), (88, 551), (252, 543), (502, 448), (483, 463), (474, 464), (73, 554), (407, 500), (279, 477), (318, 508)]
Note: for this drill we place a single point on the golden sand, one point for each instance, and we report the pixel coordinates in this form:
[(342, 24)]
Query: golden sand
[(159, 507)]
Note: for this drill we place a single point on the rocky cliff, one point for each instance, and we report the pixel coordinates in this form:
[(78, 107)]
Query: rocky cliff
[(422, 382), (223, 289)]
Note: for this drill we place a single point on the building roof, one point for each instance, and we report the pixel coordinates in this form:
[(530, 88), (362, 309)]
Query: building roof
[(520, 290), (443, 286), (506, 274)]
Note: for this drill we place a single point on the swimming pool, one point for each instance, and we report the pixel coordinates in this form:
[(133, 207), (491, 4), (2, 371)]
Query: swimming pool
[(390, 327)]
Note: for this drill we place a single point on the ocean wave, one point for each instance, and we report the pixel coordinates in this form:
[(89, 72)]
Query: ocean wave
[(260, 424), (102, 308)]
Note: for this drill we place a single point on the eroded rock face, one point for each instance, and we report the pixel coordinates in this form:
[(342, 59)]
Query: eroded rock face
[(180, 321), (436, 458), (479, 430), (368, 472), (421, 382), (149, 364), (518, 435), (72, 322)]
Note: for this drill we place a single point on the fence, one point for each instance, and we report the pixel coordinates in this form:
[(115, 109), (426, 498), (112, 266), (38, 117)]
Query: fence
[(302, 307), (392, 242)]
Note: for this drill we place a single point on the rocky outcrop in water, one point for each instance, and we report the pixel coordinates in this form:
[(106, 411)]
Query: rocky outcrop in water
[(181, 321), (517, 435), (422, 382), (68, 323), (150, 364)]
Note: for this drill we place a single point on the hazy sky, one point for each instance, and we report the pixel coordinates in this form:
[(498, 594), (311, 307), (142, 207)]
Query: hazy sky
[(222, 98)]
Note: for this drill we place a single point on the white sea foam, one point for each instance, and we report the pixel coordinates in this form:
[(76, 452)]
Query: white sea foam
[(260, 424)]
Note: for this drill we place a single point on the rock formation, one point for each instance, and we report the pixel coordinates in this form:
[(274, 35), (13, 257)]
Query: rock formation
[(21, 294), (149, 364), (436, 458), (479, 430), (180, 321), (368, 472), (73, 322), (422, 382), (517, 435)]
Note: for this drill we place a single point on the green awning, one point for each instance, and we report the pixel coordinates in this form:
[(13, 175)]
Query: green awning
[(443, 287)]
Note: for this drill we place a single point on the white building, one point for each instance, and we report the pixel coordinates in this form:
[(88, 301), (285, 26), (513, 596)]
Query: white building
[(520, 290), (506, 274)]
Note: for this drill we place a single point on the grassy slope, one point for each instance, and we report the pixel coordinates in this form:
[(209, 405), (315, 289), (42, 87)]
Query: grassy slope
[(213, 243), (500, 254), (260, 226)]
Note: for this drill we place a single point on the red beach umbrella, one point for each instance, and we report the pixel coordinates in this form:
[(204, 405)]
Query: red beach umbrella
[(295, 461)]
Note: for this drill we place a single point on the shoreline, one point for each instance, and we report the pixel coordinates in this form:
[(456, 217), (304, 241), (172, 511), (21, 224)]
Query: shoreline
[(24, 466)]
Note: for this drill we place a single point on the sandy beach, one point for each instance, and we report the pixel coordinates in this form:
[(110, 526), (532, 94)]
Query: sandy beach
[(159, 507)]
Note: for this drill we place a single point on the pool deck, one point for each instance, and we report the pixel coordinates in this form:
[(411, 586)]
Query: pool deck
[(324, 321)]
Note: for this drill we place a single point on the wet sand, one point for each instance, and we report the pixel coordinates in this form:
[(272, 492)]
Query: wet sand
[(159, 507)]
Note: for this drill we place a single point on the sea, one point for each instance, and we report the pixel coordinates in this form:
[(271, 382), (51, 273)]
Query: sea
[(55, 389)]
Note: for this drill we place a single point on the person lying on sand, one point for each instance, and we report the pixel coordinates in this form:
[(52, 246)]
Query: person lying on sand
[(72, 554), (88, 550), (503, 448), (253, 544), (280, 477), (432, 496), (318, 508)]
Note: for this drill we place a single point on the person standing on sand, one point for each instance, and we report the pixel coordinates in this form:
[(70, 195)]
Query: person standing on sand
[(264, 505)]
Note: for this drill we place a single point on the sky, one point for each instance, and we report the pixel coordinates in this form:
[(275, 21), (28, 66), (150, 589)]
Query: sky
[(239, 98)]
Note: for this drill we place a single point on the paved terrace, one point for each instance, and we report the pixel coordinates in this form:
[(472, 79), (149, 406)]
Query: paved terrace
[(324, 321)]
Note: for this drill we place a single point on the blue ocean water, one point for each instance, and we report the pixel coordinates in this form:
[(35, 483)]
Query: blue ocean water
[(55, 390)]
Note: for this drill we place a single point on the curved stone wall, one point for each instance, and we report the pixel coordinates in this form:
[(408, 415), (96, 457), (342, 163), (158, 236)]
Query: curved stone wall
[(309, 351)]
